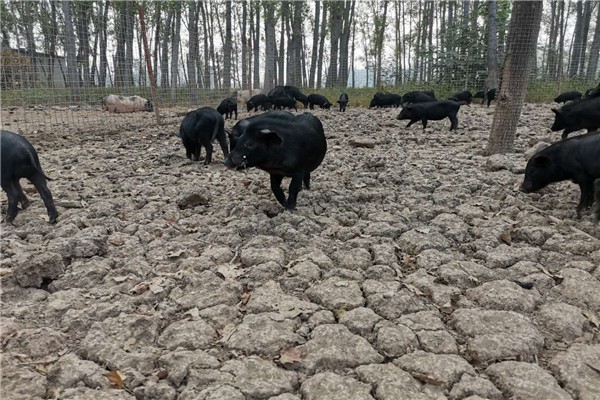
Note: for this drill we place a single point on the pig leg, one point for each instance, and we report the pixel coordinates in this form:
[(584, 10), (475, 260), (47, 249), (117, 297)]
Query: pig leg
[(22, 198), (587, 196), (39, 182), (223, 143), (453, 121), (307, 181), (412, 121), (13, 200), (276, 188), (294, 189), (209, 150), (424, 121)]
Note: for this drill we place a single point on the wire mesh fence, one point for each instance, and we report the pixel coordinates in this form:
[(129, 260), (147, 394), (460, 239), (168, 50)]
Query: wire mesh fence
[(59, 59)]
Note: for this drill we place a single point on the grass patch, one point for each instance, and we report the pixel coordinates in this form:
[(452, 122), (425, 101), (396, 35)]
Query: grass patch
[(539, 91)]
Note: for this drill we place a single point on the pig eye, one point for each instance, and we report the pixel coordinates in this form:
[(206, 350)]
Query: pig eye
[(250, 145)]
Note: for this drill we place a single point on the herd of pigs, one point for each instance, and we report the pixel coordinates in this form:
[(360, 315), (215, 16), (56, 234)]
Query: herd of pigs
[(288, 145)]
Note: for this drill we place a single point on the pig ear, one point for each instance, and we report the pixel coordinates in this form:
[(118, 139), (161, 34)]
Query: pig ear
[(542, 162), (270, 137)]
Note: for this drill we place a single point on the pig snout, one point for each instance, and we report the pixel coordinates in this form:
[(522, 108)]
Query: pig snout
[(237, 164)]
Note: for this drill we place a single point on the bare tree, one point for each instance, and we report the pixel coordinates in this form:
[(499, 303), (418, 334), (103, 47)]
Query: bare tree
[(578, 40), (245, 69), (321, 45), (269, 45), (72, 82), (257, 48), (315, 46), (521, 49), (380, 23), (175, 38), (347, 17), (594, 49), (492, 46), (336, 31), (194, 48), (227, 47)]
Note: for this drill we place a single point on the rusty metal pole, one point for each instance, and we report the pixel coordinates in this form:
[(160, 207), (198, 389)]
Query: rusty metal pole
[(149, 64)]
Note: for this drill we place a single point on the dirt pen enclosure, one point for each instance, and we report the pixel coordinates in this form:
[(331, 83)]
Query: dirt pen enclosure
[(412, 269)]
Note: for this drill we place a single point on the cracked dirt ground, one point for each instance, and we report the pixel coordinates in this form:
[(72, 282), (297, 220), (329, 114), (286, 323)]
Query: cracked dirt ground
[(413, 269)]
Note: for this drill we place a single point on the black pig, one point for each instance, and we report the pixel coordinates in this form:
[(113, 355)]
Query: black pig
[(435, 110), (583, 114), (479, 95), (343, 101), (260, 100), (318, 100), (386, 100), (567, 96), (240, 127), (490, 95), (228, 107), (200, 128), (20, 160), (282, 148), (465, 96), (282, 102), (291, 91), (417, 97), (576, 158)]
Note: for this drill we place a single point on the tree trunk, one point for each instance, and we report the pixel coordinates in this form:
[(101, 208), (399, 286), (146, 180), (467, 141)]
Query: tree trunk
[(72, 81), (227, 47), (269, 46), (380, 29), (164, 53), (129, 22), (322, 44), (192, 60), (492, 46), (594, 50), (157, 26), (175, 51), (245, 69), (315, 46), (279, 56), (336, 31), (587, 16), (296, 45), (521, 49), (552, 39), (578, 41), (207, 83), (348, 16), (257, 47)]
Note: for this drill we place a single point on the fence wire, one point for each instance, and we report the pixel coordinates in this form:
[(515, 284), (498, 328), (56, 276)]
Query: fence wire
[(59, 59)]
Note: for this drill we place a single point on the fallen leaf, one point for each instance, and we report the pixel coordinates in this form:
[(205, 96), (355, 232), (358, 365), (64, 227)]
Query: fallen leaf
[(291, 355), (116, 379), (341, 283), (423, 230), (120, 279)]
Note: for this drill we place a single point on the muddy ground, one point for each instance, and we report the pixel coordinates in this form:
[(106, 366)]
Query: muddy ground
[(413, 269)]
